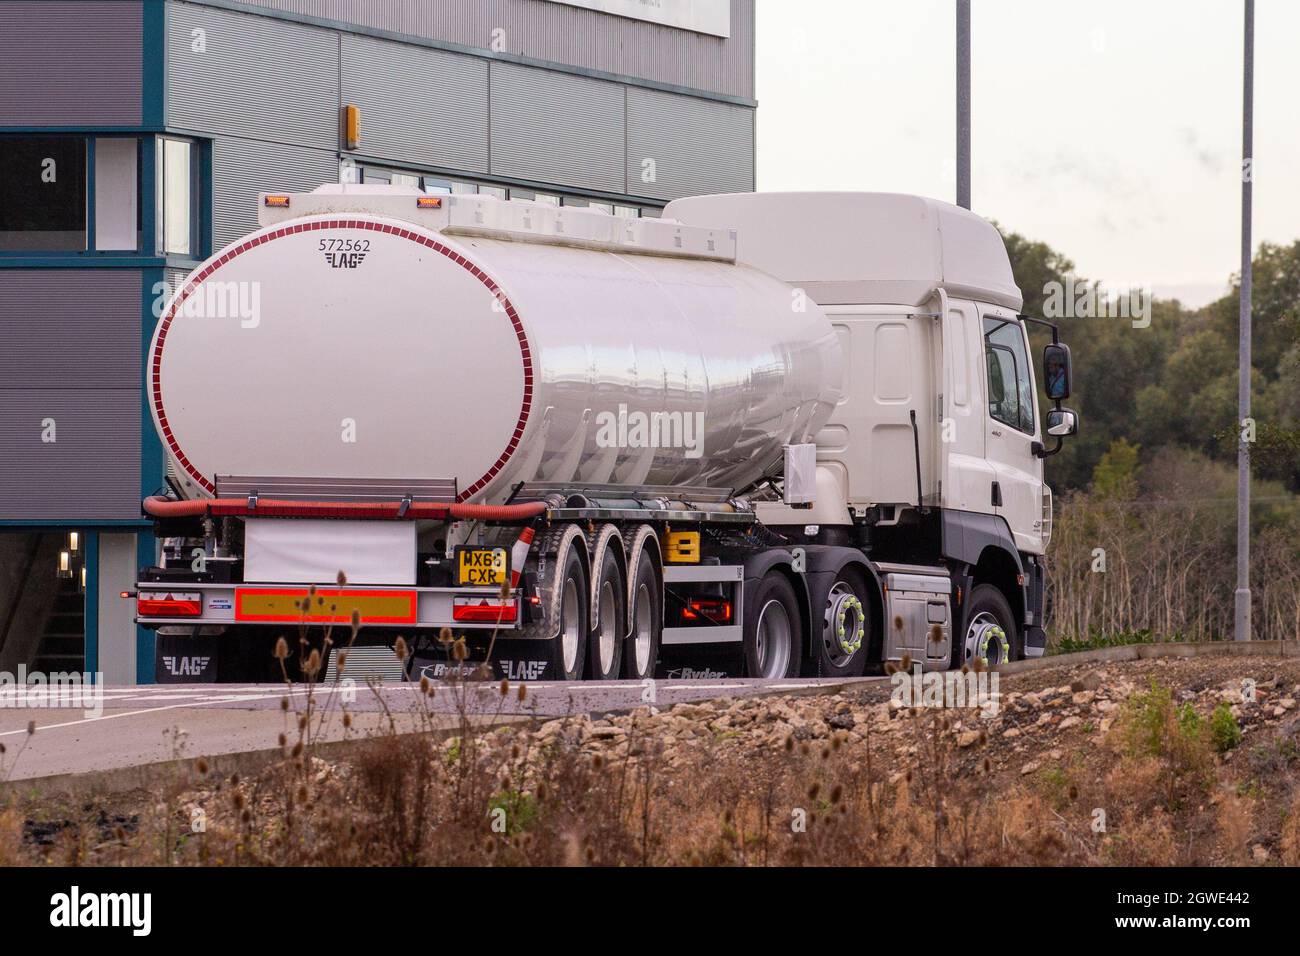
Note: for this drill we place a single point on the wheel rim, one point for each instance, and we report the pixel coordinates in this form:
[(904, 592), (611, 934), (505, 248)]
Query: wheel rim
[(607, 639), (644, 625), (844, 627), (569, 630), (773, 636), (986, 639)]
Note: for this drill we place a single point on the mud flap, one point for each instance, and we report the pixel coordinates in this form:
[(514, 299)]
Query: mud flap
[(185, 659)]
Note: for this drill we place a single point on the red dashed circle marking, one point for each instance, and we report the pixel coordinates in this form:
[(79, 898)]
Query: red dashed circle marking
[(192, 285)]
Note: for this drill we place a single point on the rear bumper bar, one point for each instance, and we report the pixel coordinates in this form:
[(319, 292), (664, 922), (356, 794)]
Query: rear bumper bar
[(278, 605)]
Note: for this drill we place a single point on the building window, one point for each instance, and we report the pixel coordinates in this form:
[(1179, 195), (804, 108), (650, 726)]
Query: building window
[(627, 212), (497, 192), (405, 179), (546, 199), (117, 194), (43, 194), (177, 197)]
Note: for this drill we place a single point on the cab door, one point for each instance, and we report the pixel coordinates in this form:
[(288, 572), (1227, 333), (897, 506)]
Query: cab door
[(1011, 428), (967, 476)]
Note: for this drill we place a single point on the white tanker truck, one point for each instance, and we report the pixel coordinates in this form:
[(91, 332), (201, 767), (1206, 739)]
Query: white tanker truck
[(766, 435)]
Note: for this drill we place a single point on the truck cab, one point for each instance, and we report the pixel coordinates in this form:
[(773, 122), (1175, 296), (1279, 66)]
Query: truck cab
[(939, 430)]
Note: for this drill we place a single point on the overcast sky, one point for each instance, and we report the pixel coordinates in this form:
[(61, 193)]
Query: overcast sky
[(1110, 129)]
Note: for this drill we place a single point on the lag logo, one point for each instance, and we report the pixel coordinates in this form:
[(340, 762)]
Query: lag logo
[(192, 666)]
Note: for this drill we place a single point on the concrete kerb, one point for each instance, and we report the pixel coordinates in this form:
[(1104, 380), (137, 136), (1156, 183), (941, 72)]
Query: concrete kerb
[(1136, 652), (149, 776)]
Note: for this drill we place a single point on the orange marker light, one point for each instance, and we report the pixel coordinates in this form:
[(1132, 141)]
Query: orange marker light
[(428, 202), (281, 201)]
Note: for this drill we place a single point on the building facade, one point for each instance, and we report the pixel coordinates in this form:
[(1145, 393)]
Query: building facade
[(135, 136)]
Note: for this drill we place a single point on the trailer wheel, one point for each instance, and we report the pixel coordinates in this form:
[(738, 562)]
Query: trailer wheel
[(641, 652), (773, 632), (569, 648), (991, 631), (846, 627), (605, 648)]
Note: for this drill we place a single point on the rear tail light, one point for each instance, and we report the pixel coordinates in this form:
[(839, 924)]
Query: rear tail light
[(713, 610), (482, 610), (169, 604)]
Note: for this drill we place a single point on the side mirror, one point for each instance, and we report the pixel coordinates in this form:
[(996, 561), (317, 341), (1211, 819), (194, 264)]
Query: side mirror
[(1057, 371), (1062, 422)]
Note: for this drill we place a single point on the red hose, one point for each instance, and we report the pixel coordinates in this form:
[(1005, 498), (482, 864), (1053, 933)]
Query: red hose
[(528, 509), (161, 507)]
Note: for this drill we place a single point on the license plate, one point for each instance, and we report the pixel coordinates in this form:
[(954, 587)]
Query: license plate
[(482, 567), (330, 606)]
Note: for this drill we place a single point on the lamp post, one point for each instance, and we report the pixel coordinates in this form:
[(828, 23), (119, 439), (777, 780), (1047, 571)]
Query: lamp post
[(963, 103), (1241, 616)]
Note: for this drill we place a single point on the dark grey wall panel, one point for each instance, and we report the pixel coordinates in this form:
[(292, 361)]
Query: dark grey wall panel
[(418, 105), (243, 168), (259, 78), (557, 128), (66, 63), (697, 146), (69, 328), (91, 471), (564, 34)]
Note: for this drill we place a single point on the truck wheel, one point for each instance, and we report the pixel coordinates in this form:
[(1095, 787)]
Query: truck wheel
[(773, 631), (846, 627), (605, 648), (569, 648), (641, 652), (991, 631)]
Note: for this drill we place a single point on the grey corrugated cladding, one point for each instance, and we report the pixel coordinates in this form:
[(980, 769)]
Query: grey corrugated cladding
[(697, 146), (418, 105), (562, 34), (70, 328), (557, 128), (258, 77), (71, 354), (66, 63), (243, 168)]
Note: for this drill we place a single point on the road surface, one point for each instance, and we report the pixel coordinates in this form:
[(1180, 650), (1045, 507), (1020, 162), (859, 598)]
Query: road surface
[(146, 725)]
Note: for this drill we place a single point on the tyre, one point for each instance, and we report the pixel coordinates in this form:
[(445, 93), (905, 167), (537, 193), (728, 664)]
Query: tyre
[(569, 647), (605, 644), (641, 650), (991, 631), (773, 632), (846, 627)]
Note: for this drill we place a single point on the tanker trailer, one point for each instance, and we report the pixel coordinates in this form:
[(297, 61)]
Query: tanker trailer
[(773, 435), (498, 417)]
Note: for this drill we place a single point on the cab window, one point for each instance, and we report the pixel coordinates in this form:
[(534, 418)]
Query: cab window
[(1010, 388)]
